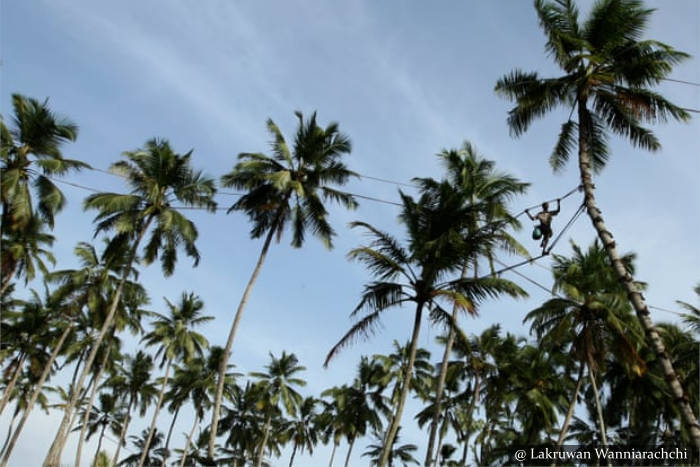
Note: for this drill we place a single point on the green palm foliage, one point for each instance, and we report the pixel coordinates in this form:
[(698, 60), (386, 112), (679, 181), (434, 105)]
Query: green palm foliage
[(158, 177), (277, 390), (196, 381), (30, 154), (243, 420), (358, 407), (176, 339), (593, 317), (133, 382), (609, 75), (153, 454), (303, 430), (398, 455), (103, 418), (59, 325), (692, 318), (287, 188), (23, 251), (420, 273), (394, 367)]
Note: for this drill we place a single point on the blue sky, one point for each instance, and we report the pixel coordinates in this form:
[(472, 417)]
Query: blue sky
[(403, 79)]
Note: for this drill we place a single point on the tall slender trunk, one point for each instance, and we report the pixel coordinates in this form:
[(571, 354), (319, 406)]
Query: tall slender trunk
[(335, 446), (166, 452), (99, 445), (388, 443), (347, 459), (223, 365), (598, 406), (261, 449), (7, 394), (152, 429), (570, 412), (441, 433), (88, 409), (9, 430), (294, 451), (633, 294), (53, 457), (441, 384), (35, 394), (122, 434), (472, 405), (189, 439), (572, 405)]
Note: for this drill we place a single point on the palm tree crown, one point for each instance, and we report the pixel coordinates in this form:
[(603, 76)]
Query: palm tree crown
[(158, 177), (609, 69), (290, 186), (37, 132)]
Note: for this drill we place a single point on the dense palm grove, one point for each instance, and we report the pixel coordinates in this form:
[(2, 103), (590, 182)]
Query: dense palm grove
[(594, 369)]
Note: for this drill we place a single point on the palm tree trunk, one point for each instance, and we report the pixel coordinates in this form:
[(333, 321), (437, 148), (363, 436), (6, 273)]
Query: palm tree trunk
[(441, 435), (189, 440), (53, 457), (152, 430), (570, 412), (223, 365), (388, 443), (335, 446), (347, 459), (599, 408), (634, 295), (441, 384), (261, 449), (294, 451), (99, 445), (167, 440), (122, 434), (35, 394), (9, 430), (88, 409), (472, 405), (13, 381)]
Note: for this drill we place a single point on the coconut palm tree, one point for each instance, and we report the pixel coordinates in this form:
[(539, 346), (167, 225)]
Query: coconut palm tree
[(25, 327), (303, 430), (277, 387), (419, 274), (399, 453), (592, 316), (134, 383), (92, 286), (609, 71), (63, 326), (159, 177), (393, 374), (153, 452), (358, 407), (243, 420), (197, 381), (287, 188), (102, 418), (176, 338), (481, 185), (30, 152)]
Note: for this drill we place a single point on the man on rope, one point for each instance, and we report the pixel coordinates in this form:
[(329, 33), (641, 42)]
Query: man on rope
[(544, 230)]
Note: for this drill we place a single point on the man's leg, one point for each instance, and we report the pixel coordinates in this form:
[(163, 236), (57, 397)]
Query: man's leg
[(545, 241)]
